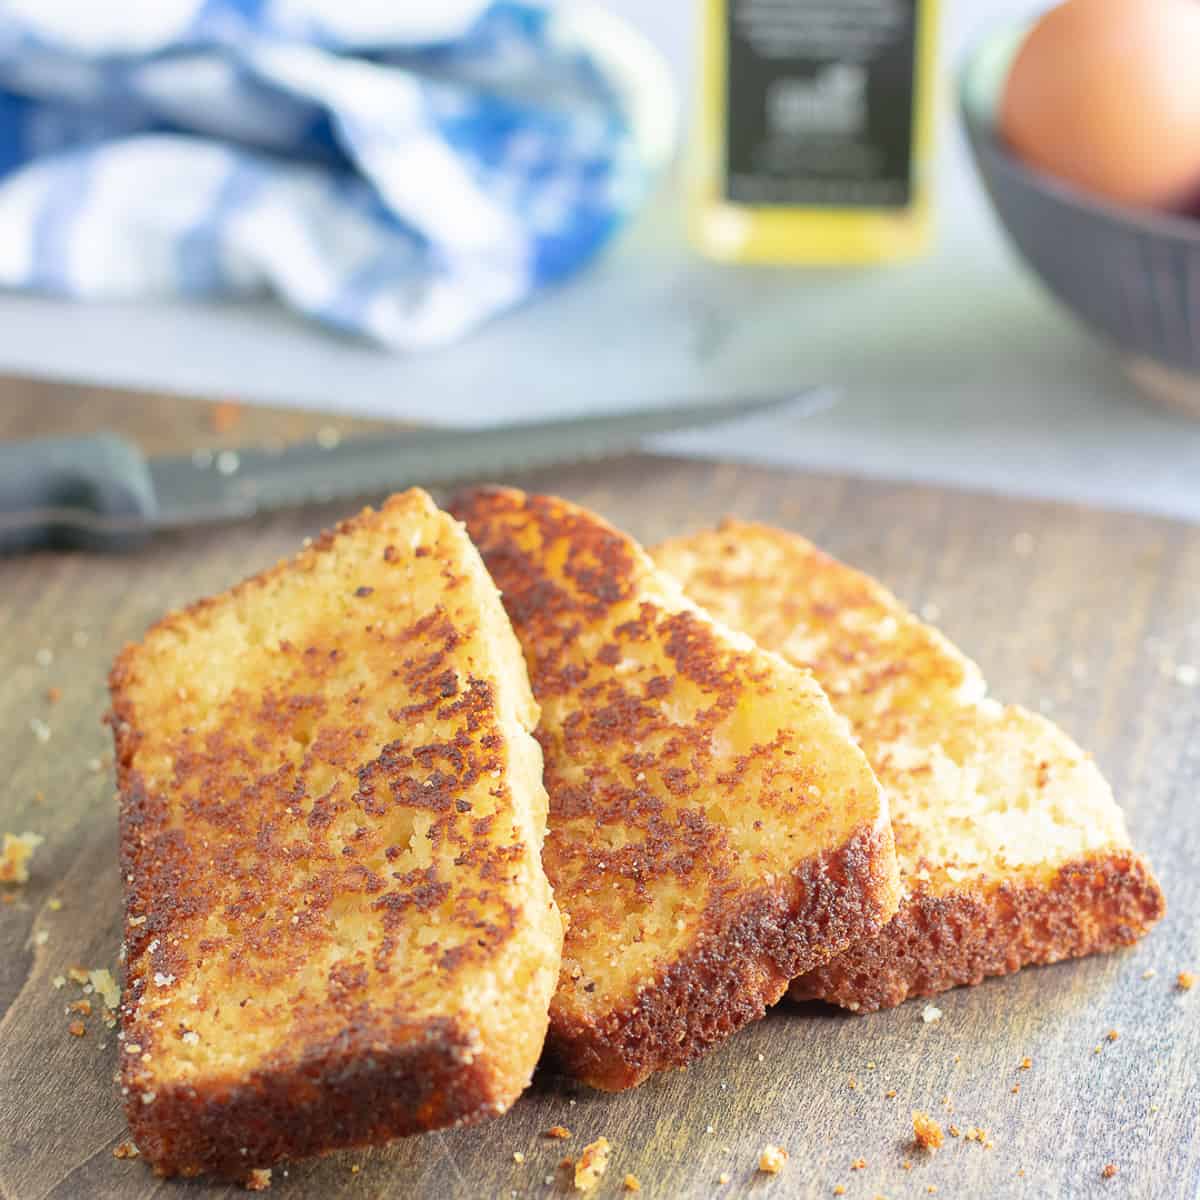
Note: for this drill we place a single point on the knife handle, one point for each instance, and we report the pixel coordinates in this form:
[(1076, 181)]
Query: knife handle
[(93, 492)]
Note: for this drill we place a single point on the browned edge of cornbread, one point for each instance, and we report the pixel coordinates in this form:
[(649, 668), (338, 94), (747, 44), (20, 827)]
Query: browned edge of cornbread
[(740, 966), (939, 942), (357, 1092)]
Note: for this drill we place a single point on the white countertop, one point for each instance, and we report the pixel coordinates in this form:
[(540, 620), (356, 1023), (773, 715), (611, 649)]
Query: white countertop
[(955, 368)]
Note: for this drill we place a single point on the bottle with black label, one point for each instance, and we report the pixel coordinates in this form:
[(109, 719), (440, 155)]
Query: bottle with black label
[(812, 133)]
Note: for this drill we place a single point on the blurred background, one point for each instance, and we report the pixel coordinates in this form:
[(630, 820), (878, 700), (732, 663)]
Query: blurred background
[(951, 364)]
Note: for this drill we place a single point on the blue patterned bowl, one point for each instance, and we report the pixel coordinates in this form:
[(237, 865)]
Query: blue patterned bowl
[(1130, 275)]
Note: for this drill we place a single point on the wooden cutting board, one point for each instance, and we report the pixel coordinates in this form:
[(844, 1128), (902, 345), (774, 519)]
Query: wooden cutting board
[(1091, 617)]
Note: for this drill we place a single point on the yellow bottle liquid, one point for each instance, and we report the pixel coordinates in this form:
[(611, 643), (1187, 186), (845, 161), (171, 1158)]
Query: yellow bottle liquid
[(812, 135)]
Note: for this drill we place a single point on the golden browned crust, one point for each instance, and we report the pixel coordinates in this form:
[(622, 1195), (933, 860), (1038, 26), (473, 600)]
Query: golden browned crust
[(331, 819), (712, 829), (936, 942), (375, 1084), (741, 964)]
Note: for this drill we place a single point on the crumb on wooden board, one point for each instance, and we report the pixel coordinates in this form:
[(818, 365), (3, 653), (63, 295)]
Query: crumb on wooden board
[(592, 1164), (772, 1159), (927, 1133), (15, 854)]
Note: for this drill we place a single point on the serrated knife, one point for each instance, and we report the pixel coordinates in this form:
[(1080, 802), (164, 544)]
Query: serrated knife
[(100, 492)]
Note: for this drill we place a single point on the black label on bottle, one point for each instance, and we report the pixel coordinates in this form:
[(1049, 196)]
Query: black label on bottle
[(820, 102)]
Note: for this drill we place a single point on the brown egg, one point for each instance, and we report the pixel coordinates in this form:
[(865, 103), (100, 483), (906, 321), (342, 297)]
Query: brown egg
[(1106, 95)]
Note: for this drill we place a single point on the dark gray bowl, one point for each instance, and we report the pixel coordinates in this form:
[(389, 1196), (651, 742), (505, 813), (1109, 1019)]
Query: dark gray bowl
[(1130, 275)]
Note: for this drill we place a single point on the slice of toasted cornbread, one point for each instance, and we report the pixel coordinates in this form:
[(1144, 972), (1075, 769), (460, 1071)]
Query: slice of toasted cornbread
[(1011, 847), (713, 829), (338, 929)]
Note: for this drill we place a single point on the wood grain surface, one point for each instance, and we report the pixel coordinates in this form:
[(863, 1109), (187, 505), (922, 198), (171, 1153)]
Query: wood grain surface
[(1091, 617)]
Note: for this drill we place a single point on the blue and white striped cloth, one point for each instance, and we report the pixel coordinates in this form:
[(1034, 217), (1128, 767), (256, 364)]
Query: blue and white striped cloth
[(398, 170)]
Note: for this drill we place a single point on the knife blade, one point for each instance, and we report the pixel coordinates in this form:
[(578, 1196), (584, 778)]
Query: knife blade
[(100, 492)]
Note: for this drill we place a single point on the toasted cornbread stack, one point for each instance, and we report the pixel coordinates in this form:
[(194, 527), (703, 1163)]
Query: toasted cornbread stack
[(338, 929), (1011, 848), (713, 830)]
